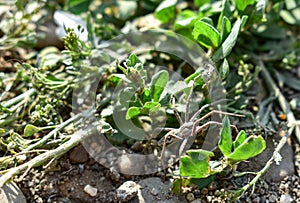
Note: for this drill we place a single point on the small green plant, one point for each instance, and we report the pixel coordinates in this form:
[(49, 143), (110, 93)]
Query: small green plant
[(147, 98), (197, 168), (141, 99)]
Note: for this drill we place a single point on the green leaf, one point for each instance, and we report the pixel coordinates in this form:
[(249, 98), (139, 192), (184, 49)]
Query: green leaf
[(199, 3), (203, 182), (226, 12), (206, 34), (225, 142), (195, 164), (78, 6), (152, 106), (127, 97), (132, 112), (177, 87), (165, 99), (20, 4), (241, 137), (207, 20), (30, 130), (132, 60), (228, 44), (226, 28), (290, 4), (199, 80), (2, 130), (146, 95), (256, 13), (291, 17), (184, 23), (158, 83), (166, 11), (242, 4), (224, 69), (251, 147)]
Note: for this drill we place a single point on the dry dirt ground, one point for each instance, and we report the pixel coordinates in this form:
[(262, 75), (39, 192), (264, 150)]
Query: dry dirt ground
[(65, 180)]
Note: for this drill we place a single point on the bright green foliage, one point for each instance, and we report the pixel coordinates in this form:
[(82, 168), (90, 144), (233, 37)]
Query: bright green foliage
[(30, 130), (199, 3), (132, 112), (196, 164), (243, 148), (228, 44), (158, 83), (242, 4), (225, 28), (206, 34), (151, 106), (251, 147), (241, 137), (166, 10), (225, 143)]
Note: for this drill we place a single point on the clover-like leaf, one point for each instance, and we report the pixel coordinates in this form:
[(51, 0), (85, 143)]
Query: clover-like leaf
[(225, 142), (241, 137), (206, 34), (132, 60), (158, 83), (132, 112), (151, 106), (251, 147), (196, 164), (30, 130)]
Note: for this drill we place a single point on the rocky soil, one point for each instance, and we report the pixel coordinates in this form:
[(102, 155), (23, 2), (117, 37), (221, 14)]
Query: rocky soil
[(78, 178)]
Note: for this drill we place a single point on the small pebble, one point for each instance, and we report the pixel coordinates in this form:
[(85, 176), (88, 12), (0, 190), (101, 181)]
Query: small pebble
[(114, 174), (197, 193), (212, 186), (272, 198), (127, 191), (286, 198), (190, 197), (90, 190), (137, 147), (204, 191), (78, 155), (263, 199), (256, 200), (154, 191)]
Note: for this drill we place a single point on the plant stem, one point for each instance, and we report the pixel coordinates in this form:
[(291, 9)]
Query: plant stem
[(268, 164), (53, 132), (281, 99), (291, 121), (76, 138), (19, 98)]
